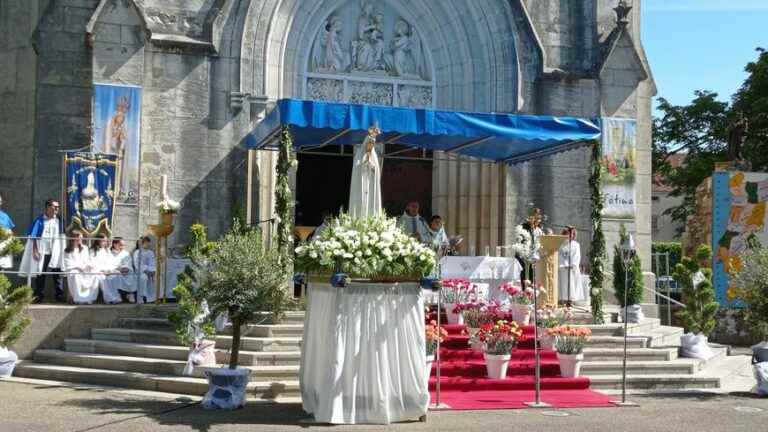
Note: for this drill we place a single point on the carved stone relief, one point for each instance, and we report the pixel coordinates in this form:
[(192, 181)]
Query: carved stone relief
[(414, 96), (325, 89), (370, 93)]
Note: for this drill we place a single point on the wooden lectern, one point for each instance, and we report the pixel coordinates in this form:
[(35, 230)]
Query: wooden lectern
[(547, 267)]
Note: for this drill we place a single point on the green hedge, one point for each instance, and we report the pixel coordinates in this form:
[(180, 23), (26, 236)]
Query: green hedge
[(675, 251)]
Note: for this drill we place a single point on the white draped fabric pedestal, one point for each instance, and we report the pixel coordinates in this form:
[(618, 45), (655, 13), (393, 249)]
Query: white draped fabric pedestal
[(363, 353)]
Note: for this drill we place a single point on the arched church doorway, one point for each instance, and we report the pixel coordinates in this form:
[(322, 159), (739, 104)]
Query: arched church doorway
[(322, 182)]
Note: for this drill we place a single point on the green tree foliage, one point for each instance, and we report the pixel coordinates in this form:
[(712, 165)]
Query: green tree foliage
[(13, 303), (597, 246), (190, 301), (752, 281), (634, 275), (242, 277), (13, 247), (700, 310), (700, 131)]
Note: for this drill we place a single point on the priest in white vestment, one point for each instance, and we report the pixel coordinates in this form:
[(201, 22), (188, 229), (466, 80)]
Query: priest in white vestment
[(122, 277), (413, 224), (365, 187), (83, 285), (570, 288), (144, 263)]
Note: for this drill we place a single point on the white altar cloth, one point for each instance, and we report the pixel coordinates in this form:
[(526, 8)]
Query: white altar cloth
[(486, 272), (363, 353)]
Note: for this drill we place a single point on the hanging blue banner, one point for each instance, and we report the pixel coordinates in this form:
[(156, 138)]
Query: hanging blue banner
[(91, 190)]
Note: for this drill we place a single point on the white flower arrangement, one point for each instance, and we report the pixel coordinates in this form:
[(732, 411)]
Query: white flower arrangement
[(367, 248), (168, 206), (524, 246)]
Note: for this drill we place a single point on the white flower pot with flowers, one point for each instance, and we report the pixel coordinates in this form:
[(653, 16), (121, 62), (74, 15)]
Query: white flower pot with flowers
[(499, 339), (521, 301), (569, 342), (550, 317), (432, 335), (477, 314), (456, 294)]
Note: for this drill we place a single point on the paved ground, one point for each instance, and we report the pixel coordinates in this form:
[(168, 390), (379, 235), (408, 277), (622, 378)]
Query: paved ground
[(47, 407)]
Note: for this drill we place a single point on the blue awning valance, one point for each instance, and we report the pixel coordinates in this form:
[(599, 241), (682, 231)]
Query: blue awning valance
[(490, 136)]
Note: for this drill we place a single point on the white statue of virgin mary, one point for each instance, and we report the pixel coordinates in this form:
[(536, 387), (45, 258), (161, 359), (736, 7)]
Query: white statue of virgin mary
[(365, 190)]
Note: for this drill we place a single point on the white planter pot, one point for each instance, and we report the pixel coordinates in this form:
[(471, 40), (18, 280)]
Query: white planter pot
[(521, 314), (570, 364), (695, 346), (226, 388), (7, 362), (634, 314), (453, 318), (546, 341), (497, 365), (430, 360)]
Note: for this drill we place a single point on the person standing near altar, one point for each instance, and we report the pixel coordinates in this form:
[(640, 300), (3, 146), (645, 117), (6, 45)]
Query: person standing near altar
[(437, 236), (6, 224), (83, 284), (43, 252), (144, 263), (570, 289), (413, 224)]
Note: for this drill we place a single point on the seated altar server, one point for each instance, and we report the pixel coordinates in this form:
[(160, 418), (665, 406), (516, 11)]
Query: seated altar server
[(83, 286), (122, 280), (570, 288), (103, 262), (412, 223), (144, 263), (436, 232)]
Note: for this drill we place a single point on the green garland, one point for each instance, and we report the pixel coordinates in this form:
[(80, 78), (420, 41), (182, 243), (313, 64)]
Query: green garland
[(597, 249), (283, 194)]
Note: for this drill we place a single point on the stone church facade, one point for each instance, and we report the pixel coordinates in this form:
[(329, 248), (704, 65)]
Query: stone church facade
[(210, 69)]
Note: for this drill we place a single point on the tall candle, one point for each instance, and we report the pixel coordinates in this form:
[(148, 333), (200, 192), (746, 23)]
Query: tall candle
[(164, 186)]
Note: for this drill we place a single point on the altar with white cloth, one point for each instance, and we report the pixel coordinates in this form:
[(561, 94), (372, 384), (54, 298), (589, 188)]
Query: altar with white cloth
[(363, 356), (487, 273)]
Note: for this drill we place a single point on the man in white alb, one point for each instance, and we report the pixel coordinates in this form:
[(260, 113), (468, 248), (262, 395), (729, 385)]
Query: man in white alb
[(412, 223), (570, 289)]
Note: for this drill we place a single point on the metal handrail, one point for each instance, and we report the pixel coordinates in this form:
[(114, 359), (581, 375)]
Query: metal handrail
[(664, 297)]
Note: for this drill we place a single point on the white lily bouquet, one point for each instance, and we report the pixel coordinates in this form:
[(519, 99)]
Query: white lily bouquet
[(168, 206), (527, 246), (371, 248)]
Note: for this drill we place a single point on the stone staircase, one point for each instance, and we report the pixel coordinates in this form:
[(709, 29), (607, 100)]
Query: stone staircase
[(143, 353)]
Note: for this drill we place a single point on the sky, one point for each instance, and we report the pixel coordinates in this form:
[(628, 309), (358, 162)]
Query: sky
[(702, 44)]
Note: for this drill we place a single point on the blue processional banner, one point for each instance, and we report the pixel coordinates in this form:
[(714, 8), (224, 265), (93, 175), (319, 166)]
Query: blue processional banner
[(117, 131), (91, 189)]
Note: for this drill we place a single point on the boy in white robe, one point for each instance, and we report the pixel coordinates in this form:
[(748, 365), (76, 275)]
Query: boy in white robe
[(82, 284), (569, 270), (144, 264), (103, 261), (122, 281)]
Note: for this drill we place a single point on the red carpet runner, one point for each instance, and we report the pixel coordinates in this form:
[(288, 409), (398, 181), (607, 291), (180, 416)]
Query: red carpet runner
[(465, 386)]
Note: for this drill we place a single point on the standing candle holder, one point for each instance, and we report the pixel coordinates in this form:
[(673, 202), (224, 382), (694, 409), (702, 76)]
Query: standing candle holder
[(167, 209)]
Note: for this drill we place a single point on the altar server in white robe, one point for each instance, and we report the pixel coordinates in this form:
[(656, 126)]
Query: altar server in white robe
[(569, 260), (123, 279), (437, 236), (83, 285), (103, 261), (413, 224), (144, 263)]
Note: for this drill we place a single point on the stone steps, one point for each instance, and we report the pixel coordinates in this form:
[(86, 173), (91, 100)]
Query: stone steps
[(169, 338), (147, 381), (151, 365), (633, 354), (654, 382), (176, 352), (673, 367), (617, 342), (617, 329), (292, 329)]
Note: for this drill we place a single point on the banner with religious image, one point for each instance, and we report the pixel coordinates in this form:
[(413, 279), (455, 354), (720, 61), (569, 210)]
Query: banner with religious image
[(90, 190), (619, 139), (117, 131), (739, 222)]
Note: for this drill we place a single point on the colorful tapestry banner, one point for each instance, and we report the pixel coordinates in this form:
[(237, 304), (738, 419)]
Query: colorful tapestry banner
[(117, 131), (90, 189), (739, 222), (619, 137)]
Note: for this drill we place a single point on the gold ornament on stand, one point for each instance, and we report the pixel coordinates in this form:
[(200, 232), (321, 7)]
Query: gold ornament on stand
[(167, 208)]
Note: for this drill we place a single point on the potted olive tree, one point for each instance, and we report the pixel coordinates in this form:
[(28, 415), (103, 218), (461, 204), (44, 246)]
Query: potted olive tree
[(13, 321), (699, 314), (240, 277)]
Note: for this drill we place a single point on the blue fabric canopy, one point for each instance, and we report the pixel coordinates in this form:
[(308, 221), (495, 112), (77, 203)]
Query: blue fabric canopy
[(496, 137)]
